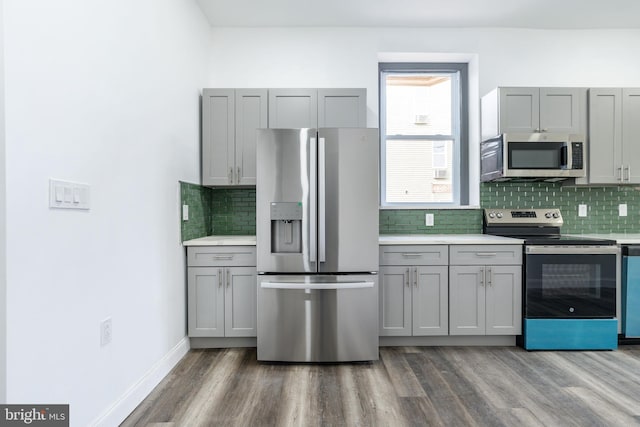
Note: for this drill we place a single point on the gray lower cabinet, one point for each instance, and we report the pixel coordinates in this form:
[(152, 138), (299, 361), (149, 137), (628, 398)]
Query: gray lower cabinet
[(230, 118), (614, 135), (312, 108), (221, 291), (485, 290), (414, 291)]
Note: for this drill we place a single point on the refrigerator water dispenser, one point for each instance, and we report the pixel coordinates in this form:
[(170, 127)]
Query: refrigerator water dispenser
[(286, 227)]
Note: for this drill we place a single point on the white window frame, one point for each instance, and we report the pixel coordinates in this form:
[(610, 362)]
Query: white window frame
[(460, 172)]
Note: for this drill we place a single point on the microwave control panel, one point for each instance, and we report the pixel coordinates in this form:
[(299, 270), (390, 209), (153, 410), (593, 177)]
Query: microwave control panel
[(577, 155)]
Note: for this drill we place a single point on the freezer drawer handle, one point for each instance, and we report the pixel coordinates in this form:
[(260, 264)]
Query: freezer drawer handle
[(303, 285)]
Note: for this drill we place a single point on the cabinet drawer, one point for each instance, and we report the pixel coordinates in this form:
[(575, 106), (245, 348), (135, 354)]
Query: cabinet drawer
[(223, 256), (414, 255), (486, 254)]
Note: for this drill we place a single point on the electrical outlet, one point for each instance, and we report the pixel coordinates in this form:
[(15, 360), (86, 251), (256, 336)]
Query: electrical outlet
[(428, 220), (582, 210), (106, 331), (622, 209), (185, 212)]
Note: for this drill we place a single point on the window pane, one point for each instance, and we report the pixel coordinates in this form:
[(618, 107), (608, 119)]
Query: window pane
[(419, 171), (418, 104)]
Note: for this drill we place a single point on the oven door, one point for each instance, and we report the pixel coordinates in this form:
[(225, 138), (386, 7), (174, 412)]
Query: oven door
[(570, 281)]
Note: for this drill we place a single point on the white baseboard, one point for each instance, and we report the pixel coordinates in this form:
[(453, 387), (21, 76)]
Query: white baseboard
[(121, 408)]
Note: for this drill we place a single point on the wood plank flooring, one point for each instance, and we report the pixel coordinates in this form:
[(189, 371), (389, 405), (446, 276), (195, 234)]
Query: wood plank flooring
[(409, 386)]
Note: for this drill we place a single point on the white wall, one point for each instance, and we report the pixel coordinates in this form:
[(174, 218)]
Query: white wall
[(320, 57), (348, 57), (105, 93), (3, 235)]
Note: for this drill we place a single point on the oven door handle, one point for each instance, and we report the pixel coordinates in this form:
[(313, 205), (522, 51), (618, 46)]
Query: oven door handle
[(571, 250)]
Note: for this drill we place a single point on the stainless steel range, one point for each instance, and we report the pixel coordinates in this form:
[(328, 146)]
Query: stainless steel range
[(571, 285)]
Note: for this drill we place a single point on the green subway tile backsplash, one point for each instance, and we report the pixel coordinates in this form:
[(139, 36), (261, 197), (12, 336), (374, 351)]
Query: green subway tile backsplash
[(232, 211), (199, 200), (602, 204), (446, 221)]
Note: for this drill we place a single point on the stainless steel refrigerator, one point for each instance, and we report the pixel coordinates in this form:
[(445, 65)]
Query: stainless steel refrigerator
[(317, 244)]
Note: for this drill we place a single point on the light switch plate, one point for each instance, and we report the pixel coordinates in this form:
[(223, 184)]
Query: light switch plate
[(185, 212), (582, 210), (622, 209), (68, 195), (428, 220)]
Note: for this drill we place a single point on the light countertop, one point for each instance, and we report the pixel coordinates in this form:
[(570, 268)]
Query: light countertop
[(446, 239), (621, 238), (385, 239), (222, 241)]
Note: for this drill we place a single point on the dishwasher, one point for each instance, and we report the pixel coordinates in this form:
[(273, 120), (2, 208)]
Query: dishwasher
[(630, 294)]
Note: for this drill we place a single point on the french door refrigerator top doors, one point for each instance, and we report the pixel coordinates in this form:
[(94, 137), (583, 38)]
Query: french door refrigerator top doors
[(317, 200)]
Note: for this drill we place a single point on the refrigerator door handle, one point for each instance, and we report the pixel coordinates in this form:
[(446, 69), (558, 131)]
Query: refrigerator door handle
[(313, 219), (322, 201), (326, 286)]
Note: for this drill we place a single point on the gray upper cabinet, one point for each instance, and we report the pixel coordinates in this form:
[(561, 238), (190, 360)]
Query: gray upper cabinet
[(342, 108), (614, 136), (229, 122), (532, 109), (293, 108), (311, 108)]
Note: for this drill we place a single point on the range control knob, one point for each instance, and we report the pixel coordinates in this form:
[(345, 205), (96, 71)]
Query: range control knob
[(556, 215), (499, 214), (548, 215), (492, 215)]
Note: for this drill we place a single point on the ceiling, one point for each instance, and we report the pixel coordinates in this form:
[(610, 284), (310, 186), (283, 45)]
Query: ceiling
[(547, 14)]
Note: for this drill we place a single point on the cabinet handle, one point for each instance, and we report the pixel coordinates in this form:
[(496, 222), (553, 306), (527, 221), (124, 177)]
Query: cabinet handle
[(220, 277), (620, 173), (628, 169), (489, 278), (407, 277), (486, 254), (411, 255), (239, 175), (225, 257), (536, 130), (415, 277), (481, 277), (230, 175), (227, 278), (545, 130)]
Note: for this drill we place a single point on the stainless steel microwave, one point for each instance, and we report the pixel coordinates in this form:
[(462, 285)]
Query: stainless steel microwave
[(545, 156)]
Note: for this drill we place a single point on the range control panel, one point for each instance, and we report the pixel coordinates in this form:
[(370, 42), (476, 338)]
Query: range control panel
[(523, 217)]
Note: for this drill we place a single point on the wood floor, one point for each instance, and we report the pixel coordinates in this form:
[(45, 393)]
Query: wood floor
[(412, 386)]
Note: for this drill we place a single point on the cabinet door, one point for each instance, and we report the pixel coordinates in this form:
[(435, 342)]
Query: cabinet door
[(631, 135), (430, 301), (562, 109), (342, 108), (605, 139), (519, 109), (395, 301), (205, 299), (293, 108), (503, 300), (218, 136), (251, 114), (240, 301), (466, 300)]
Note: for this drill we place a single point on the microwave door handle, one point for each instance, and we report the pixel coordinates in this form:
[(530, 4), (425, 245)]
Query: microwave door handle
[(564, 157)]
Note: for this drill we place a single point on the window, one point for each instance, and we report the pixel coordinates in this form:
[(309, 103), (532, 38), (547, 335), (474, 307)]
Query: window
[(423, 122)]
